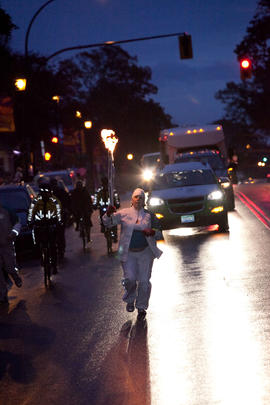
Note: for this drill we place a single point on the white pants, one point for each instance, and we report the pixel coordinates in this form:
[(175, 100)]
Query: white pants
[(137, 273)]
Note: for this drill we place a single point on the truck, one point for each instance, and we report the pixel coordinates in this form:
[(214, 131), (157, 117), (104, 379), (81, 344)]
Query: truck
[(199, 143), (176, 140)]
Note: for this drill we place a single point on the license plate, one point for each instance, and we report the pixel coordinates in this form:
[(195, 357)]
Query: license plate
[(187, 218)]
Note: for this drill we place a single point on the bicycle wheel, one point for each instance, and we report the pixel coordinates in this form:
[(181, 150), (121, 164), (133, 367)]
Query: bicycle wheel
[(46, 267), (83, 234)]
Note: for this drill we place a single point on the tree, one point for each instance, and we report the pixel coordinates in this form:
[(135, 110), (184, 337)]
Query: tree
[(248, 103), (6, 28), (115, 93)]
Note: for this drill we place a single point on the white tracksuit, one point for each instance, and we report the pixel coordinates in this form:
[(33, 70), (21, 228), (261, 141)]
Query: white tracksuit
[(137, 266)]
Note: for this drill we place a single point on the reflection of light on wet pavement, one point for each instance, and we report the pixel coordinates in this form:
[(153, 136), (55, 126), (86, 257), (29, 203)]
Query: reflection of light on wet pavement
[(181, 231), (169, 384), (203, 348)]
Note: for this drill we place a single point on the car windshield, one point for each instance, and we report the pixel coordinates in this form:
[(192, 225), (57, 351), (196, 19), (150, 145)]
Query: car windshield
[(183, 178), (215, 161), (150, 160), (14, 199)]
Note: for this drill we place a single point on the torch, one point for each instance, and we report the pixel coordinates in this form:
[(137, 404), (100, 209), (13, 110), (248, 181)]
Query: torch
[(110, 141)]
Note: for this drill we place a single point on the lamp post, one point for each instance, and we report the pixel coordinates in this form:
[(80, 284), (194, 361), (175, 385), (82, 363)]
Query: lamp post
[(110, 141)]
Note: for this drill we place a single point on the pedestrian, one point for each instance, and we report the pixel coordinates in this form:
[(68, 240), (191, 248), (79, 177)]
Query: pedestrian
[(18, 177), (10, 227), (137, 250)]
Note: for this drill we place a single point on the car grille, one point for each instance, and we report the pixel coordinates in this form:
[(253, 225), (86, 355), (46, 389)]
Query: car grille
[(184, 205)]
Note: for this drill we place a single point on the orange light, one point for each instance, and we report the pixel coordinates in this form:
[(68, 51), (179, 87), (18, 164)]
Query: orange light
[(88, 124), (130, 156), (47, 156), (54, 139)]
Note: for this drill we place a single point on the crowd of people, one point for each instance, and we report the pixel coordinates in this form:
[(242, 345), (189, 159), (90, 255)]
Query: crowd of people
[(48, 217)]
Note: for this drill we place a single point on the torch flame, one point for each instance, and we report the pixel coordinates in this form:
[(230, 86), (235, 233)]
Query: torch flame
[(109, 139)]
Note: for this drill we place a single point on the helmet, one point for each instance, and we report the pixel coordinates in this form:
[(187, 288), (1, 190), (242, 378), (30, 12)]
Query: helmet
[(44, 185)]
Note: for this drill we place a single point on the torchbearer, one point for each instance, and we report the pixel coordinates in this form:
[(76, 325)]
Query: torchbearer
[(110, 140)]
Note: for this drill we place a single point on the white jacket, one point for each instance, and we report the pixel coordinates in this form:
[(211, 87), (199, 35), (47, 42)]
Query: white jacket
[(127, 218)]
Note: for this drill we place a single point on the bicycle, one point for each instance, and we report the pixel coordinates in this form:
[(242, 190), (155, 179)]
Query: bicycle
[(46, 263), (109, 233), (46, 239), (109, 239), (83, 232)]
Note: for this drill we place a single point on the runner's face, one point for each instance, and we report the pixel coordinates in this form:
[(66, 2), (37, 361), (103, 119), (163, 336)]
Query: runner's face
[(138, 201)]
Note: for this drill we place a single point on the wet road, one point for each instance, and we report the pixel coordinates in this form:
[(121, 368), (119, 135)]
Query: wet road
[(205, 340)]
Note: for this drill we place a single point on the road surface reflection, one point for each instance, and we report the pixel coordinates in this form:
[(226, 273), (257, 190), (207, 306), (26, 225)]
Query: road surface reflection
[(203, 348)]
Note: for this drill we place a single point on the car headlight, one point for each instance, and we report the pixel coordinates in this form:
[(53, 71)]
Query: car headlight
[(147, 174), (215, 195), (154, 201)]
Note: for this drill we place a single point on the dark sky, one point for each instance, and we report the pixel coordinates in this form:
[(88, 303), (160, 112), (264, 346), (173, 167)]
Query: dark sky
[(186, 87)]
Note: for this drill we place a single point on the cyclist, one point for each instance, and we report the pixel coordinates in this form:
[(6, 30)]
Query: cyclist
[(10, 227), (45, 215), (82, 207), (64, 198), (102, 201)]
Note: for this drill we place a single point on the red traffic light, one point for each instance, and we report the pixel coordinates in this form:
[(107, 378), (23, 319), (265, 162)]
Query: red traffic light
[(245, 63), (245, 68), (54, 139)]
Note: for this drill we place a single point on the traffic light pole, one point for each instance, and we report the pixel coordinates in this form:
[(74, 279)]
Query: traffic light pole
[(109, 43)]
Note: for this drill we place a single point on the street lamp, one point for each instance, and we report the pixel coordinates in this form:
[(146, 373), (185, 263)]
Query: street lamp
[(110, 141), (88, 124), (20, 84)]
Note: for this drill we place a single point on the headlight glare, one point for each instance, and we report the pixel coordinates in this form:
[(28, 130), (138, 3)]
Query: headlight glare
[(154, 201), (215, 195), (147, 174)]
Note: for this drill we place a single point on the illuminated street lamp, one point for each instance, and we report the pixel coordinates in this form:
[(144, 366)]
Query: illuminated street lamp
[(110, 140), (129, 156), (56, 98), (20, 84), (47, 156), (88, 124)]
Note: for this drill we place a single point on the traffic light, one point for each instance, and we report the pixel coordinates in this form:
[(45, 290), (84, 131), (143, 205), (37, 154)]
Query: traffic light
[(245, 68), (185, 46)]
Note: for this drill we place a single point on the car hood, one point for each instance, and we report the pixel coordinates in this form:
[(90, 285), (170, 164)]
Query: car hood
[(185, 192), (221, 172)]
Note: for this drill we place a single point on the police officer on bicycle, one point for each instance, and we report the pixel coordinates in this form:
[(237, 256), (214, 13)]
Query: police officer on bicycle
[(45, 215), (102, 201)]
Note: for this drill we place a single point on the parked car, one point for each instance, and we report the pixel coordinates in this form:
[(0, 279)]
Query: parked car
[(217, 163), (18, 198), (188, 194), (67, 177)]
